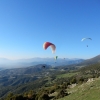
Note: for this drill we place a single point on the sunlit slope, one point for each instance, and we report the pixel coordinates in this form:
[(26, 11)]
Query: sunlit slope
[(87, 91)]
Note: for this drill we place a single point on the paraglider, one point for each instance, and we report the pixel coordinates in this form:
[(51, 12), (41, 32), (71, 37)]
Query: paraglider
[(47, 44), (85, 39), (55, 58), (43, 66)]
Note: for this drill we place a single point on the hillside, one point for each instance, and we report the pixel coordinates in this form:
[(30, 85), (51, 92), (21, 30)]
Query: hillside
[(21, 80), (22, 71), (86, 91), (84, 63), (90, 61)]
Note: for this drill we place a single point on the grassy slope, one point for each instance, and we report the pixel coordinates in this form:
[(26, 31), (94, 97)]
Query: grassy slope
[(66, 75), (86, 91)]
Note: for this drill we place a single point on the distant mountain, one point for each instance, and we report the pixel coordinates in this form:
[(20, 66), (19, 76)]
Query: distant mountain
[(6, 63), (90, 61), (27, 70)]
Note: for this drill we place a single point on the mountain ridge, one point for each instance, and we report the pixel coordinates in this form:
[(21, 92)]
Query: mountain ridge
[(6, 63), (90, 61)]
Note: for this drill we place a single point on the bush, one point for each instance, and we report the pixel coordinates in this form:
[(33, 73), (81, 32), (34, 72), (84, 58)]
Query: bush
[(61, 94), (44, 96), (73, 80)]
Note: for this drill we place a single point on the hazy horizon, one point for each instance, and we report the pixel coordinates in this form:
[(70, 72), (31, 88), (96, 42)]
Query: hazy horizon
[(38, 57)]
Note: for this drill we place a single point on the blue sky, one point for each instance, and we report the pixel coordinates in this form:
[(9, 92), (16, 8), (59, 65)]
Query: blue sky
[(26, 24)]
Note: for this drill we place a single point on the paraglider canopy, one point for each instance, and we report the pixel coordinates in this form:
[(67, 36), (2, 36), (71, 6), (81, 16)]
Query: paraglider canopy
[(47, 44), (85, 39)]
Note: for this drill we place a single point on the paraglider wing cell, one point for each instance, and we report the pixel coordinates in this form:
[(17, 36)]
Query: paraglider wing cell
[(53, 48)]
